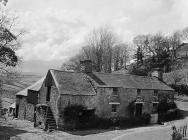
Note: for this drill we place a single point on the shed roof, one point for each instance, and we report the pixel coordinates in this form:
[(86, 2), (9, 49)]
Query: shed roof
[(35, 87)]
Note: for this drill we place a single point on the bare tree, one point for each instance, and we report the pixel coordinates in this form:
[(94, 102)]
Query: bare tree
[(120, 56), (100, 42), (102, 47)]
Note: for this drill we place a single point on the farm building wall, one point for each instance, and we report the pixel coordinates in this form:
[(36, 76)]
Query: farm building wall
[(99, 102), (25, 110), (54, 95), (126, 96), (88, 101)]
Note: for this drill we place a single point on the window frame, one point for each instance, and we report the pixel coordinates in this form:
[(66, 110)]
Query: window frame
[(114, 108), (155, 107), (115, 91), (138, 92), (155, 93)]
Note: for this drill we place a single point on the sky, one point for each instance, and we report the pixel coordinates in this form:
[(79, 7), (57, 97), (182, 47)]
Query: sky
[(56, 29)]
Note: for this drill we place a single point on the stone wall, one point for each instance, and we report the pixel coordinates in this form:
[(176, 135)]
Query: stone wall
[(104, 109), (54, 95), (126, 96), (26, 110), (99, 102), (65, 100), (42, 94), (53, 102)]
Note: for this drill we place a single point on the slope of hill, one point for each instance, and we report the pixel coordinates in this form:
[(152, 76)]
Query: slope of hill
[(10, 88)]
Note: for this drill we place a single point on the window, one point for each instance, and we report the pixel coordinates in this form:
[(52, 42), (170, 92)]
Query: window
[(48, 93), (155, 107), (115, 91), (138, 109), (138, 92), (155, 92), (114, 108)]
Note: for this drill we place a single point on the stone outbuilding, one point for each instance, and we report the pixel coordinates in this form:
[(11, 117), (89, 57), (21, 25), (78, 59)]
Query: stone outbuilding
[(108, 95), (25, 101)]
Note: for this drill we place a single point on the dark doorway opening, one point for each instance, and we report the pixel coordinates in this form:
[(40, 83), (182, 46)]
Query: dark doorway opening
[(138, 109), (17, 110), (48, 93)]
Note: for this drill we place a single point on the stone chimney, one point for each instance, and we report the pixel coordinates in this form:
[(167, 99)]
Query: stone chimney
[(86, 66), (157, 72)]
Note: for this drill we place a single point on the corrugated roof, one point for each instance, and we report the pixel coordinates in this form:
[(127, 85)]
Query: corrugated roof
[(132, 81), (35, 87), (72, 83)]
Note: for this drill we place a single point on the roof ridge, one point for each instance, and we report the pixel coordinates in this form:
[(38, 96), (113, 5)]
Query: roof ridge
[(65, 71), (127, 74)]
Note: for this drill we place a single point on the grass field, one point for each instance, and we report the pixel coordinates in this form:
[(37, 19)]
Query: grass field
[(10, 88)]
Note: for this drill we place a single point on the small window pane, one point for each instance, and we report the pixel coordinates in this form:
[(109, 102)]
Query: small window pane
[(138, 92), (114, 108), (155, 92), (115, 90), (155, 106)]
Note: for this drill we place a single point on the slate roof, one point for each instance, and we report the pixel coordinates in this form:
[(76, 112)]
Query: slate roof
[(35, 87), (77, 83), (132, 81), (73, 83)]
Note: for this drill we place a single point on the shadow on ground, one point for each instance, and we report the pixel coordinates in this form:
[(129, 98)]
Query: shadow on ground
[(6, 132), (184, 113), (88, 132)]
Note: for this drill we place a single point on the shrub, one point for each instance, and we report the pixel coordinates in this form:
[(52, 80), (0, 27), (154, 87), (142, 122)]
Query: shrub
[(168, 111), (146, 118), (163, 107), (124, 122), (172, 105), (71, 115), (182, 89), (170, 115)]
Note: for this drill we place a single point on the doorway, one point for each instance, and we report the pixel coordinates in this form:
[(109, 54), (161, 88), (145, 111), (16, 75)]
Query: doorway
[(138, 109)]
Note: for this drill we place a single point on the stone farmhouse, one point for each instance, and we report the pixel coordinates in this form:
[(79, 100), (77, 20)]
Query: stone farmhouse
[(106, 95)]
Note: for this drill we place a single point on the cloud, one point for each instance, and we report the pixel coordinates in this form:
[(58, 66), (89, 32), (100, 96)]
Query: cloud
[(54, 33), (51, 35)]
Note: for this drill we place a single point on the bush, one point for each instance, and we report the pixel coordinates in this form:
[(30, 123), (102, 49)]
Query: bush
[(182, 89), (146, 118), (163, 107), (168, 111), (173, 114), (71, 115), (124, 122), (172, 105)]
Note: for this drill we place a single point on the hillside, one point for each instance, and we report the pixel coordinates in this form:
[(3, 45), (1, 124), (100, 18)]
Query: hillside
[(10, 88)]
